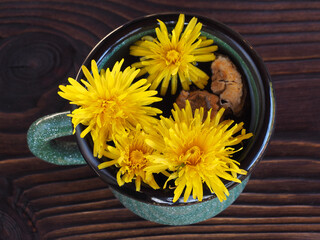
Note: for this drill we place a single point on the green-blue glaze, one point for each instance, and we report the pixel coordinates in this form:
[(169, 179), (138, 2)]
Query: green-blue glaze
[(43, 140), (44, 133), (180, 215)]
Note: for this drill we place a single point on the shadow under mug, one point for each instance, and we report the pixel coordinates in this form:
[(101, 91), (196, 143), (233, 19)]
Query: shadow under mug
[(156, 205)]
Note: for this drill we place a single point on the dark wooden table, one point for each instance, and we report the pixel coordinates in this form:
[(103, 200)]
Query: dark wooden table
[(44, 42)]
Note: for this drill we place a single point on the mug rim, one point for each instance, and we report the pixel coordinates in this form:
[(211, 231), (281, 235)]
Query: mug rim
[(267, 127)]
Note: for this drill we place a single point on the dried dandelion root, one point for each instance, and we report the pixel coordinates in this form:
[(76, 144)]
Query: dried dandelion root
[(199, 99), (227, 83)]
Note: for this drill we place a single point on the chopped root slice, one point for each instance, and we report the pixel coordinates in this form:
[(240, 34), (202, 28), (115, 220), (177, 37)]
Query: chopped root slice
[(227, 83), (199, 99)]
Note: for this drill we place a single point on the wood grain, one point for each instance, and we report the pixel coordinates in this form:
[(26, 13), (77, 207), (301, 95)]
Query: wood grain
[(44, 42)]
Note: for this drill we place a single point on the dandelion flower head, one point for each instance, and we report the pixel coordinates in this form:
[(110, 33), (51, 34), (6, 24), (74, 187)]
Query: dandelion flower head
[(170, 57), (130, 155), (108, 102), (195, 151)]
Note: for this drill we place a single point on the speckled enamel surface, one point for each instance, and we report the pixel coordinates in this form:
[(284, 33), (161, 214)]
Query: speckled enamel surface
[(180, 215), (43, 143)]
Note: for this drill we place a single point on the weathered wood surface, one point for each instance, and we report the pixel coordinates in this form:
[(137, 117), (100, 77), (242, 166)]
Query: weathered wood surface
[(44, 42)]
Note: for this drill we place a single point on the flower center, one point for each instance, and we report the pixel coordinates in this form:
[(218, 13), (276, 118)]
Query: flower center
[(137, 159), (172, 57), (111, 109), (193, 155)]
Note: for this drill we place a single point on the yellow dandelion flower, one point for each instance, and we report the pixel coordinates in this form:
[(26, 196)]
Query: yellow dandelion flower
[(172, 56), (196, 151), (109, 102), (130, 155)]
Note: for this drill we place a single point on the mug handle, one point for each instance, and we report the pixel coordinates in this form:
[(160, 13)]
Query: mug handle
[(43, 140)]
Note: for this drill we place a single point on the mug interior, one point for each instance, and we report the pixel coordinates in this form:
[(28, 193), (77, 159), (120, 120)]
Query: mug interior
[(259, 108)]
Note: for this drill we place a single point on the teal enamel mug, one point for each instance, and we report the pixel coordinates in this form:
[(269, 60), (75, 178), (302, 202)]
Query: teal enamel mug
[(157, 205)]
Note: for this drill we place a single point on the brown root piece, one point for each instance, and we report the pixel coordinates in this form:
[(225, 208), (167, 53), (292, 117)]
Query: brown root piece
[(199, 99), (227, 83)]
